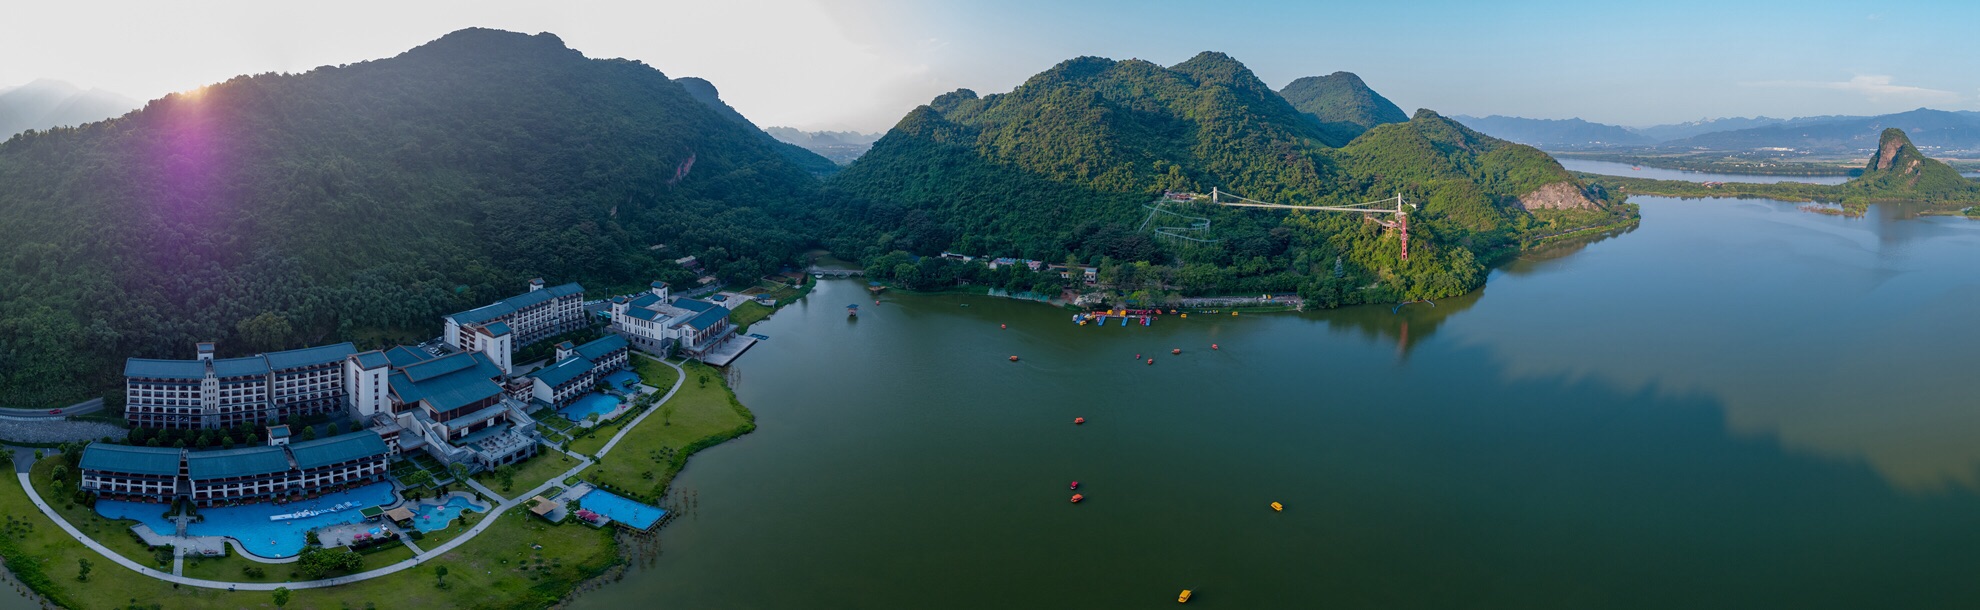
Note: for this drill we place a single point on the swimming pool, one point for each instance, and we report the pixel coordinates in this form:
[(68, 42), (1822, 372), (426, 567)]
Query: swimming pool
[(436, 517), (624, 380), (633, 514), (250, 525), (599, 404)]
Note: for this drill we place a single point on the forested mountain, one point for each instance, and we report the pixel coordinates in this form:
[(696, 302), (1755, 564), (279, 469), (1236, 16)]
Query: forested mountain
[(1343, 105), (363, 201), (1679, 131), (1555, 134), (1898, 172), (43, 104), (1062, 167), (1938, 130), (841, 147), (704, 92)]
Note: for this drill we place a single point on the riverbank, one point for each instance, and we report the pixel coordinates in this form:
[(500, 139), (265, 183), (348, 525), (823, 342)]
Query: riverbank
[(1725, 164)]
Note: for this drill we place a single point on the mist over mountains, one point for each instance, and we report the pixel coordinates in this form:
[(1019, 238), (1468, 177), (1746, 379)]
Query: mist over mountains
[(47, 103), (1946, 133)]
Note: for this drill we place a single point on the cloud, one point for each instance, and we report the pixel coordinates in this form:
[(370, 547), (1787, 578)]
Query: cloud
[(1874, 87)]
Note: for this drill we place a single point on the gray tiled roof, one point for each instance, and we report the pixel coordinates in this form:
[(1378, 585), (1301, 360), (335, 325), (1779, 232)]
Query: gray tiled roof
[(597, 350), (373, 359), (336, 449), (564, 371), (514, 304), (131, 459), (298, 358), (709, 318), (240, 367), (250, 461), (164, 369)]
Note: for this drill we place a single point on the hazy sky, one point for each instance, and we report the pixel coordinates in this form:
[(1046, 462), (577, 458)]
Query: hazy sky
[(861, 64)]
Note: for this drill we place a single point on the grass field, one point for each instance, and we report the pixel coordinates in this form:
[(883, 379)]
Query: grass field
[(529, 474), (498, 569), (702, 414)]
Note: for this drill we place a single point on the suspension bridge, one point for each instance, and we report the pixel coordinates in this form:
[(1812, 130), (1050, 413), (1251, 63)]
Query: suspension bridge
[(1400, 211)]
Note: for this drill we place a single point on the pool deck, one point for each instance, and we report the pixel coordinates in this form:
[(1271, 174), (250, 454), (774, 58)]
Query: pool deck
[(504, 506)]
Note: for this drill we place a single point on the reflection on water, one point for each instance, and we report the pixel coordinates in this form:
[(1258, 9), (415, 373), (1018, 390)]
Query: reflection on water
[(1841, 337)]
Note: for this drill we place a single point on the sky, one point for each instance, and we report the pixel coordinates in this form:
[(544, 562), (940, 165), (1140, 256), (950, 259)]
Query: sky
[(862, 64)]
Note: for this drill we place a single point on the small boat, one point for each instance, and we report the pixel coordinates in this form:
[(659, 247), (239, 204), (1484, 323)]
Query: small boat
[(1076, 498), (1002, 327), (1075, 485), (1213, 346), (1013, 358), (1079, 420), (1184, 598), (1151, 361), (1175, 351), (1276, 507)]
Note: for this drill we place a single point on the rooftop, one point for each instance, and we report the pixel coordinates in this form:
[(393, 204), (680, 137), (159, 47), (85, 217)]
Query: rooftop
[(448, 383), (164, 369), (709, 318), (597, 350), (131, 459), (515, 303), (240, 367), (497, 329), (564, 371), (247, 462), (337, 449), (372, 359), (309, 356), (402, 356)]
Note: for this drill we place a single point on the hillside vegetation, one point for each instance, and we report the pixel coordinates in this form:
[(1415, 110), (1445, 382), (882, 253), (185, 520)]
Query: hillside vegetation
[(364, 201), (1060, 169), (1897, 173)]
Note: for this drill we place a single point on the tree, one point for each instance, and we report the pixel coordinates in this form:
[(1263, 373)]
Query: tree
[(265, 331), (336, 429), (309, 433), (281, 596), (82, 569), (440, 576)]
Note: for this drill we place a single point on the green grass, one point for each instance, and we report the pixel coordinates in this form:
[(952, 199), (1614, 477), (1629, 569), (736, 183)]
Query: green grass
[(750, 312), (529, 474), (487, 572), (112, 533), (433, 540), (701, 415)]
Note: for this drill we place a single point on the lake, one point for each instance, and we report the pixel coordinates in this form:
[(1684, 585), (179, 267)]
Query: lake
[(1735, 405), (1611, 168)]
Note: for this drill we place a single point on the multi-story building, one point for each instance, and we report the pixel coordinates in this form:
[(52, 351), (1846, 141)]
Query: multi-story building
[(530, 317), (133, 473), (655, 322), (279, 471), (209, 392), (578, 369), (458, 408)]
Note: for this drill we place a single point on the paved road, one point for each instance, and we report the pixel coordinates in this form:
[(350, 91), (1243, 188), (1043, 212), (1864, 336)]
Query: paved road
[(82, 408), (494, 513)]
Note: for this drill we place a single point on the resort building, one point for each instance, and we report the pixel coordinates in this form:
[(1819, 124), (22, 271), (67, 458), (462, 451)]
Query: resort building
[(232, 476), (654, 322), (459, 408), (210, 392), (525, 318), (578, 370)]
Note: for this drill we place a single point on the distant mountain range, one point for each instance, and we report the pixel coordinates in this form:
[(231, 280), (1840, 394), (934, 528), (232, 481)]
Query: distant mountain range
[(44, 104), (842, 147), (1946, 133), (703, 91)]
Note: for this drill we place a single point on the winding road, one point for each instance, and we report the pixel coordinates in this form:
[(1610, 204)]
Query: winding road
[(494, 513)]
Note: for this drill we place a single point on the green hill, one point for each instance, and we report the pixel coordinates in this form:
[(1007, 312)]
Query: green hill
[(703, 91), (1063, 165), (1342, 104), (363, 201), (1898, 172)]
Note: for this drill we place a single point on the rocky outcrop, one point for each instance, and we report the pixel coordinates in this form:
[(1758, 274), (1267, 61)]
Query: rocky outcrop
[(1563, 195)]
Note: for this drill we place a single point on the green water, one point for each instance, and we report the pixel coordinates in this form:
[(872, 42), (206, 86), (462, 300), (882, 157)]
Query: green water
[(1736, 405)]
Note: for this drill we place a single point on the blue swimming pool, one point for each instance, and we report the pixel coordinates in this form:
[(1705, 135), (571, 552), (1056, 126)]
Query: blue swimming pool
[(250, 524), (634, 514), (433, 518), (624, 380), (588, 405)]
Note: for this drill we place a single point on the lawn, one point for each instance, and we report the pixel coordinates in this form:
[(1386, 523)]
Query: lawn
[(498, 569), (113, 533), (702, 414), (751, 312), (433, 540), (529, 474)]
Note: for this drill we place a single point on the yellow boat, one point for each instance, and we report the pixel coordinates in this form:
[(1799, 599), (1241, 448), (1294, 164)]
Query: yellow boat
[(1278, 507), (1184, 598)]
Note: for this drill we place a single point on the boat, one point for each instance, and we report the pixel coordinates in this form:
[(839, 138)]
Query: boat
[(1276, 507), (852, 311), (1079, 420), (1076, 498), (1075, 485), (1184, 598), (1175, 351)]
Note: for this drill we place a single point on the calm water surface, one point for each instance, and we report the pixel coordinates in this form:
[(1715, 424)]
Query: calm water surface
[(1737, 405), (1612, 168)]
